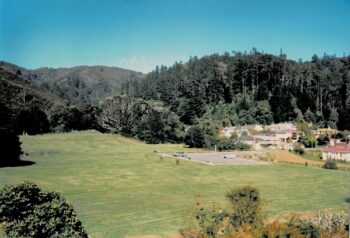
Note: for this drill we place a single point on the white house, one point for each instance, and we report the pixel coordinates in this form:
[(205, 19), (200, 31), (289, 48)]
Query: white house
[(340, 151)]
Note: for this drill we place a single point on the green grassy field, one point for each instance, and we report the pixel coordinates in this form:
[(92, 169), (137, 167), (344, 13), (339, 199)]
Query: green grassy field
[(121, 188)]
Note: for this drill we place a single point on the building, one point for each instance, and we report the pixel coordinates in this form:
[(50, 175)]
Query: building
[(229, 131), (284, 131), (285, 126), (340, 151), (264, 142), (325, 131)]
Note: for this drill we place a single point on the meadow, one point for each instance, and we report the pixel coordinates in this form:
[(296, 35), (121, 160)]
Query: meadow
[(120, 187)]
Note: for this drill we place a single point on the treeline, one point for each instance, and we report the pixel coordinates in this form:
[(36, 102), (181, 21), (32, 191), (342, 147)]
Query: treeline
[(191, 102), (145, 120), (317, 91)]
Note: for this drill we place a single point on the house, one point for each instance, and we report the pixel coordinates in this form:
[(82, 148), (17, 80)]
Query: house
[(286, 126), (262, 141), (229, 131), (254, 128), (340, 151), (284, 131), (325, 131)]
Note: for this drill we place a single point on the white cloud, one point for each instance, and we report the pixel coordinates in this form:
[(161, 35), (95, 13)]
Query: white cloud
[(145, 64), (138, 63)]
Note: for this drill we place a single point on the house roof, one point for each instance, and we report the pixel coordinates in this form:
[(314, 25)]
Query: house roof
[(267, 138), (337, 149), (246, 138), (327, 130)]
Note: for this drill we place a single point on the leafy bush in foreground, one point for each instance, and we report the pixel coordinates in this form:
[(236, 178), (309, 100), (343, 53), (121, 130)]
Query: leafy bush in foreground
[(244, 210), (29, 212), (245, 205), (242, 219)]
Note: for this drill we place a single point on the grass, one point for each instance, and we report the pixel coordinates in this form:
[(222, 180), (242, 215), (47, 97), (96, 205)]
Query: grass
[(120, 187)]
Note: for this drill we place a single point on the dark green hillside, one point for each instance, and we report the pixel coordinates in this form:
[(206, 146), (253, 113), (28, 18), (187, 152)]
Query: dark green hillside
[(88, 84), (317, 91), (84, 83), (17, 93)]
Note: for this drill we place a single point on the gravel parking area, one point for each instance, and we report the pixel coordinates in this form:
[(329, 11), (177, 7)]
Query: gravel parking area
[(221, 158)]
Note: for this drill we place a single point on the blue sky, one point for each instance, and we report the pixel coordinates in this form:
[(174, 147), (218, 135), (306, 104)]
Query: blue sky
[(140, 34)]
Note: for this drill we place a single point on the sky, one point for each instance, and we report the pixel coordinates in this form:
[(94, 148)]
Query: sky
[(140, 34)]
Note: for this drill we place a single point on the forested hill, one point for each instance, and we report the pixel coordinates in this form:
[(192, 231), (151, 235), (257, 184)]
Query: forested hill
[(89, 84), (247, 87), (17, 93)]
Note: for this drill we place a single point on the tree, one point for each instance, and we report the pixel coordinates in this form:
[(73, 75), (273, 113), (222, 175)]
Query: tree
[(309, 141), (144, 120), (344, 122), (81, 117), (11, 148), (29, 212), (195, 137), (33, 121), (290, 87), (152, 129), (309, 116), (333, 118), (263, 113), (6, 117)]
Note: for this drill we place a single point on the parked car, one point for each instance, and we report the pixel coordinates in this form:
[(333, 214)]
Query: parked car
[(180, 154), (229, 157)]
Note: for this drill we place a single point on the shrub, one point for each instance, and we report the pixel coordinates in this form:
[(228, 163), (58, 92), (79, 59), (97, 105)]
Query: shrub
[(195, 137), (246, 205), (242, 146), (242, 219), (298, 149), (322, 140), (11, 148), (330, 221), (32, 121), (225, 144), (243, 213), (330, 164), (308, 141), (29, 212), (295, 227)]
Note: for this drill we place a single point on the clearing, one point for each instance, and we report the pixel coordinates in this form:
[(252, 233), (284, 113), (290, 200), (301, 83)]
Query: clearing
[(120, 187)]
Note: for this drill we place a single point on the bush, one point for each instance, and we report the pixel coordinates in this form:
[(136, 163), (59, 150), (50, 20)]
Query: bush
[(298, 149), (330, 221), (295, 227), (246, 205), (330, 164), (32, 121), (195, 137), (308, 141), (244, 211), (242, 219), (242, 146), (225, 144), (322, 140), (11, 148), (29, 212)]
